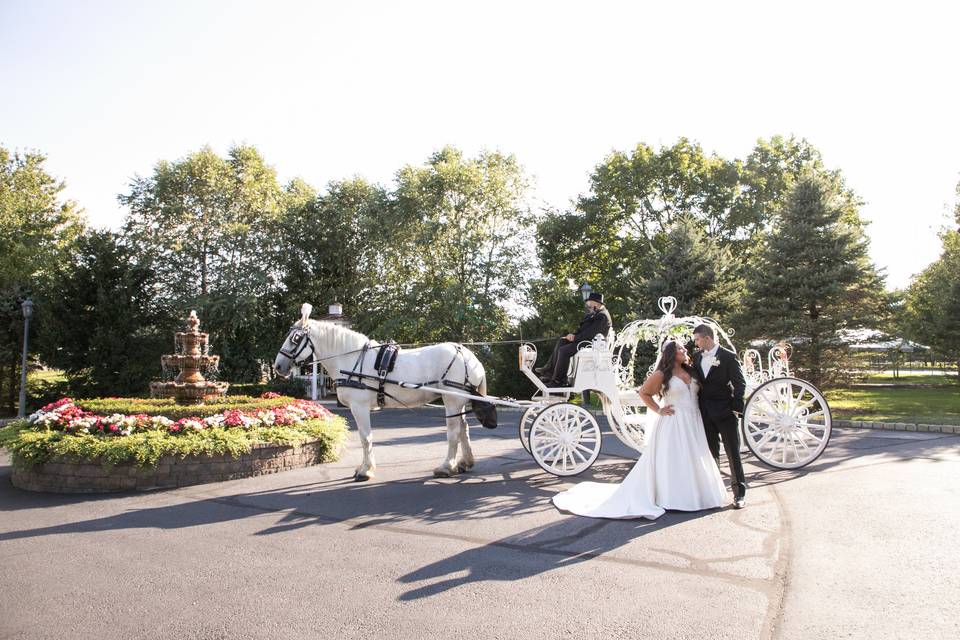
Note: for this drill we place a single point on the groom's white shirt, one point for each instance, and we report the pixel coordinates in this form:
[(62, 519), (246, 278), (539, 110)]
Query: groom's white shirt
[(706, 360)]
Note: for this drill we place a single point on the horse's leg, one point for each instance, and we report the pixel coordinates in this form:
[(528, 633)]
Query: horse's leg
[(450, 465), (361, 414), (466, 461)]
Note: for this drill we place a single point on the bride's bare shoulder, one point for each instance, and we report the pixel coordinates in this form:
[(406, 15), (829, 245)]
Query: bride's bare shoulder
[(653, 383)]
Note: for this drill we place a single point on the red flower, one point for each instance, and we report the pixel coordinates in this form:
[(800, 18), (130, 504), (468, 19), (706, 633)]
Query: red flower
[(233, 418), (56, 405)]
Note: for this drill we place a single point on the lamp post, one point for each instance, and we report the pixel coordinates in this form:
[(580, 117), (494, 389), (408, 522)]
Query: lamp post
[(585, 290), (27, 308)]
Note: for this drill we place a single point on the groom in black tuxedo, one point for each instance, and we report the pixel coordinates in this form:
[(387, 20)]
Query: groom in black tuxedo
[(722, 387)]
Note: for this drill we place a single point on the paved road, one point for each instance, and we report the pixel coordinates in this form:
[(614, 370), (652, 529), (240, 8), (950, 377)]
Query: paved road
[(861, 545)]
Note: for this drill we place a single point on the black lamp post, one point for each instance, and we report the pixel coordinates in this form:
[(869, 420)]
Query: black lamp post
[(585, 290), (27, 308)]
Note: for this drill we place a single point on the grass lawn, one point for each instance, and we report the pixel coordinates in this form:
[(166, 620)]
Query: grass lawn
[(37, 377), (923, 406), (911, 378)]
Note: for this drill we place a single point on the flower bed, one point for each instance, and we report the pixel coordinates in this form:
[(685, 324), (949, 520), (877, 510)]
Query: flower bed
[(67, 432), (168, 408)]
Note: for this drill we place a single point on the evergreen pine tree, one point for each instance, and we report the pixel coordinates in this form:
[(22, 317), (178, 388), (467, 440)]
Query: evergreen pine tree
[(814, 277), (695, 269)]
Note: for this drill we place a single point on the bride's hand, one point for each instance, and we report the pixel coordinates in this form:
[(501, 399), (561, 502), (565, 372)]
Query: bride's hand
[(666, 410)]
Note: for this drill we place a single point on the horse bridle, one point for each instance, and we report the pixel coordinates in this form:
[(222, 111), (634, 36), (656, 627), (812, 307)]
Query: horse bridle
[(300, 339)]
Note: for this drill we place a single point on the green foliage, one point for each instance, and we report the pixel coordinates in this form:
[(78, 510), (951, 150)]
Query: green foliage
[(932, 313), (146, 448), (449, 253), (36, 228), (167, 407), (813, 277), (333, 243), (619, 236), (37, 231), (461, 247), (697, 270), (207, 226), (104, 324)]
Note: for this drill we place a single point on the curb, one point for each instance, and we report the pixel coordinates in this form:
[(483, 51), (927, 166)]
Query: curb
[(898, 426)]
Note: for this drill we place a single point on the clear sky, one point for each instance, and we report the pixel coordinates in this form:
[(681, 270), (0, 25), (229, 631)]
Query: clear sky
[(330, 90)]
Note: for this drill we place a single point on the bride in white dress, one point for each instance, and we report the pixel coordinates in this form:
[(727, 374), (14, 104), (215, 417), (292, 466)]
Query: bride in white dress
[(676, 471)]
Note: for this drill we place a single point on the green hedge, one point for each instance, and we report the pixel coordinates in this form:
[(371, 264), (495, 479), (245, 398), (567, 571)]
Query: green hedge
[(167, 407), (30, 446)]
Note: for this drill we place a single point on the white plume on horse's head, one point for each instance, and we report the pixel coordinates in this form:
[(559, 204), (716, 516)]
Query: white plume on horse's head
[(305, 310)]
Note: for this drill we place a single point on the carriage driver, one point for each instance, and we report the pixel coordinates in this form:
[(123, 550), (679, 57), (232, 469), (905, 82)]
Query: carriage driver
[(597, 320)]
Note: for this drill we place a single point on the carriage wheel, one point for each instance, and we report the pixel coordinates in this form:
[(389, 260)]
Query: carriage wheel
[(630, 434), (526, 421), (787, 423), (565, 439)]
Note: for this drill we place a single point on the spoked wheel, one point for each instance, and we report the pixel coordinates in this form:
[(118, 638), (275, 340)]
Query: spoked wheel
[(787, 423), (565, 439), (630, 428), (526, 421)]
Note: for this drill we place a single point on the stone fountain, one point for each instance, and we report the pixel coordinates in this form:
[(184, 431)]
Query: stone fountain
[(190, 387)]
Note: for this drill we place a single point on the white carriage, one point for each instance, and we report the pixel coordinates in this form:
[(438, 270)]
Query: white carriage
[(786, 422)]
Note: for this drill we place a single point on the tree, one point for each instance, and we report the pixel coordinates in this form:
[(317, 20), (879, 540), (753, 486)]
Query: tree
[(333, 246), (813, 277), (694, 268), (105, 326), (37, 230), (614, 235), (462, 249), (208, 226), (932, 314)]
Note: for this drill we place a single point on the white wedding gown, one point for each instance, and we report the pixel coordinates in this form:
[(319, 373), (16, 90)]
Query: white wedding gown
[(676, 470)]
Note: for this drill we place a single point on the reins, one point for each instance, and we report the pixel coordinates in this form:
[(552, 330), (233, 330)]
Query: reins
[(408, 345)]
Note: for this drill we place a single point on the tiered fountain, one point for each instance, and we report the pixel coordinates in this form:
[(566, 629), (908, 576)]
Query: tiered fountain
[(190, 387)]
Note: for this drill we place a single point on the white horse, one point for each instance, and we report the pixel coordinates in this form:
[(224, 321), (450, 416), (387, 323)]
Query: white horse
[(340, 349)]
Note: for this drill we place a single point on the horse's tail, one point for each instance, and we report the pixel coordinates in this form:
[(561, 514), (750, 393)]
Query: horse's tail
[(486, 412)]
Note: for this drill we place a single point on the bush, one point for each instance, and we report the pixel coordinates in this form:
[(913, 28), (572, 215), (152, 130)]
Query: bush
[(30, 446)]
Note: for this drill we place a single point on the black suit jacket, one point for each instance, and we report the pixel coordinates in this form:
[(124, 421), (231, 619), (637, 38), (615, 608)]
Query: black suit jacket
[(592, 324), (723, 388)]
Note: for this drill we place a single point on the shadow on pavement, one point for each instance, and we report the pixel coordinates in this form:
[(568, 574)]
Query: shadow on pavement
[(536, 551), (497, 488)]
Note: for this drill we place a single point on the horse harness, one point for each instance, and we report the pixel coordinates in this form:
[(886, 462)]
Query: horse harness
[(384, 363)]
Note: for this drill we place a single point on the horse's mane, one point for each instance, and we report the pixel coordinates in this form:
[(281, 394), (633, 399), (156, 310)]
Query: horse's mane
[(339, 339)]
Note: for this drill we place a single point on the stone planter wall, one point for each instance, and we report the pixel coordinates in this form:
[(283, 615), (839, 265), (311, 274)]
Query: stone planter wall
[(90, 477)]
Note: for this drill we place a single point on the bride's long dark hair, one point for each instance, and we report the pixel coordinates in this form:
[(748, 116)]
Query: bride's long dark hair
[(668, 356)]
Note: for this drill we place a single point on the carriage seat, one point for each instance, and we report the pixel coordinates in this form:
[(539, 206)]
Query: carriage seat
[(572, 367)]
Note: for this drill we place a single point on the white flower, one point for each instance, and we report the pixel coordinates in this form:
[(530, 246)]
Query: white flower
[(214, 420)]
